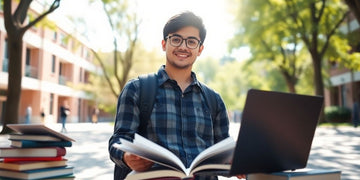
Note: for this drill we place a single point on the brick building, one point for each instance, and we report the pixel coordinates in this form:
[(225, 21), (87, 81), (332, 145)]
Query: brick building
[(53, 59)]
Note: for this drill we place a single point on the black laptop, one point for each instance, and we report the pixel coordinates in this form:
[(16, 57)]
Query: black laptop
[(276, 132)]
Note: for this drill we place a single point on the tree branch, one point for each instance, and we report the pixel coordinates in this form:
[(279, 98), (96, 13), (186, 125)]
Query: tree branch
[(354, 5), (21, 11), (8, 17), (115, 52), (332, 32), (299, 22), (107, 78), (52, 8)]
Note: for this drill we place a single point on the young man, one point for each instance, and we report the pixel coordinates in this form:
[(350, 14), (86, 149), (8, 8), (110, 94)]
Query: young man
[(181, 120)]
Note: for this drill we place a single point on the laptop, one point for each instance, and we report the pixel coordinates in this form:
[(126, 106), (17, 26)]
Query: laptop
[(276, 132)]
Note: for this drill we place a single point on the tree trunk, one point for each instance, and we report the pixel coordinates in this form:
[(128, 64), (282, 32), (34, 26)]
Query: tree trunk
[(291, 86), (290, 82), (318, 78), (14, 81)]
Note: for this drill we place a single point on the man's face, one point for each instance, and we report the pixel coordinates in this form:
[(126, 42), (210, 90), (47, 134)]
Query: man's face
[(182, 57)]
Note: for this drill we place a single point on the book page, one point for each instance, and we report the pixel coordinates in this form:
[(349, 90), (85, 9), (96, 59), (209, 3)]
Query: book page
[(159, 149), (155, 173), (151, 151), (210, 169), (226, 145), (148, 154), (218, 154)]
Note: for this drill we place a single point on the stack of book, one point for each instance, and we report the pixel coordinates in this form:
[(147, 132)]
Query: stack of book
[(35, 152)]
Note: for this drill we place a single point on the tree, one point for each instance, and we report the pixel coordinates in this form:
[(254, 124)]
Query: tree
[(313, 22), (144, 62), (316, 22), (125, 29), (263, 28), (354, 6), (15, 28)]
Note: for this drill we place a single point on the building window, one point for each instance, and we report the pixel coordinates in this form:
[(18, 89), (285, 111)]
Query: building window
[(53, 63), (5, 64), (62, 77), (63, 40), (27, 62), (81, 75), (51, 105), (55, 36), (87, 55)]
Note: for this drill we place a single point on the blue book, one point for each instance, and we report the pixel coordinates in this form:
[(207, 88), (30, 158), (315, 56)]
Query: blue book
[(301, 174), (37, 174), (32, 144)]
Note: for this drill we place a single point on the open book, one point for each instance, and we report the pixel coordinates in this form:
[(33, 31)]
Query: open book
[(215, 158)]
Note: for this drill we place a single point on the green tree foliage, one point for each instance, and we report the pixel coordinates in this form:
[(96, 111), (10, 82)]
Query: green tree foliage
[(282, 30), (233, 79), (206, 69), (16, 26), (317, 22), (145, 61), (263, 28)]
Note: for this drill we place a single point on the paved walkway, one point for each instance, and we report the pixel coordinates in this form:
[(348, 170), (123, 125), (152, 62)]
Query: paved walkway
[(333, 148)]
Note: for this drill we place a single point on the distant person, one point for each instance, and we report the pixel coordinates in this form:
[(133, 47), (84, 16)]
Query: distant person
[(95, 115), (42, 115), (64, 112), (28, 115)]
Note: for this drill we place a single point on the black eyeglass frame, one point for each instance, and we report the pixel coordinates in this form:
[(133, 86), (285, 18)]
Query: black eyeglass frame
[(184, 39)]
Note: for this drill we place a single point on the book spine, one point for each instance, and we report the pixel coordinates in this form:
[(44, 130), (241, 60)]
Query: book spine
[(58, 158), (32, 152), (30, 144)]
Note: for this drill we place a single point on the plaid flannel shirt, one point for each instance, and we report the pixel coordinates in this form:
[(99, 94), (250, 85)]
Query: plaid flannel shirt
[(180, 121)]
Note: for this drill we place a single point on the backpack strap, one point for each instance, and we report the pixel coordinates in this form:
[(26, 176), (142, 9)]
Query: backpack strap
[(210, 98), (148, 87)]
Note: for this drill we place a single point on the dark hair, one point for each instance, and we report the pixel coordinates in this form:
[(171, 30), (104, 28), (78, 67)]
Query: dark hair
[(184, 19)]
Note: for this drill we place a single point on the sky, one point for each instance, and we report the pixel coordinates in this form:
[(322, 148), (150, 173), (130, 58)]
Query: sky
[(154, 14)]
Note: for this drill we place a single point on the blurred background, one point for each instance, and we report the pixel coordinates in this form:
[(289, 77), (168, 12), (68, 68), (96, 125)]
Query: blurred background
[(86, 50)]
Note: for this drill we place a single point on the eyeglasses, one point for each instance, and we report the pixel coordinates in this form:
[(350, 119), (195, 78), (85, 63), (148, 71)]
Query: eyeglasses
[(177, 40)]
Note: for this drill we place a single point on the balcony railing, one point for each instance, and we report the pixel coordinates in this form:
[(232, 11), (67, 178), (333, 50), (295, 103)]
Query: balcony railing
[(63, 80), (31, 71)]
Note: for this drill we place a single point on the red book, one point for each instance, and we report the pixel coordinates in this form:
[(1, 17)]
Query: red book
[(32, 152), (58, 158)]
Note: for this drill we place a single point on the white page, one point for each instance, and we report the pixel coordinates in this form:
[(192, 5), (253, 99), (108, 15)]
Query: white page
[(222, 146), (151, 151)]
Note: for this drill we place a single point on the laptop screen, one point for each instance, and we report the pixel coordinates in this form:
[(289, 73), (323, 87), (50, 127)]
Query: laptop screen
[(276, 132)]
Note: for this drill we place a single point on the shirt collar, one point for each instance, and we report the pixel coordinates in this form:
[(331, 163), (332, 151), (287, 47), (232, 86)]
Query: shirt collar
[(163, 77)]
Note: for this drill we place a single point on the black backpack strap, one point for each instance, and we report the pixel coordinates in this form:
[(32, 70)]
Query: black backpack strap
[(148, 87), (210, 98)]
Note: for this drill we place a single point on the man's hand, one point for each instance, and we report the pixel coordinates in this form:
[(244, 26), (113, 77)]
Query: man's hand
[(241, 176), (136, 163)]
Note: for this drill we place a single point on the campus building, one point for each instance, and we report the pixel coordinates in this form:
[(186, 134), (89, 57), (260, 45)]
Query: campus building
[(344, 87), (55, 60)]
